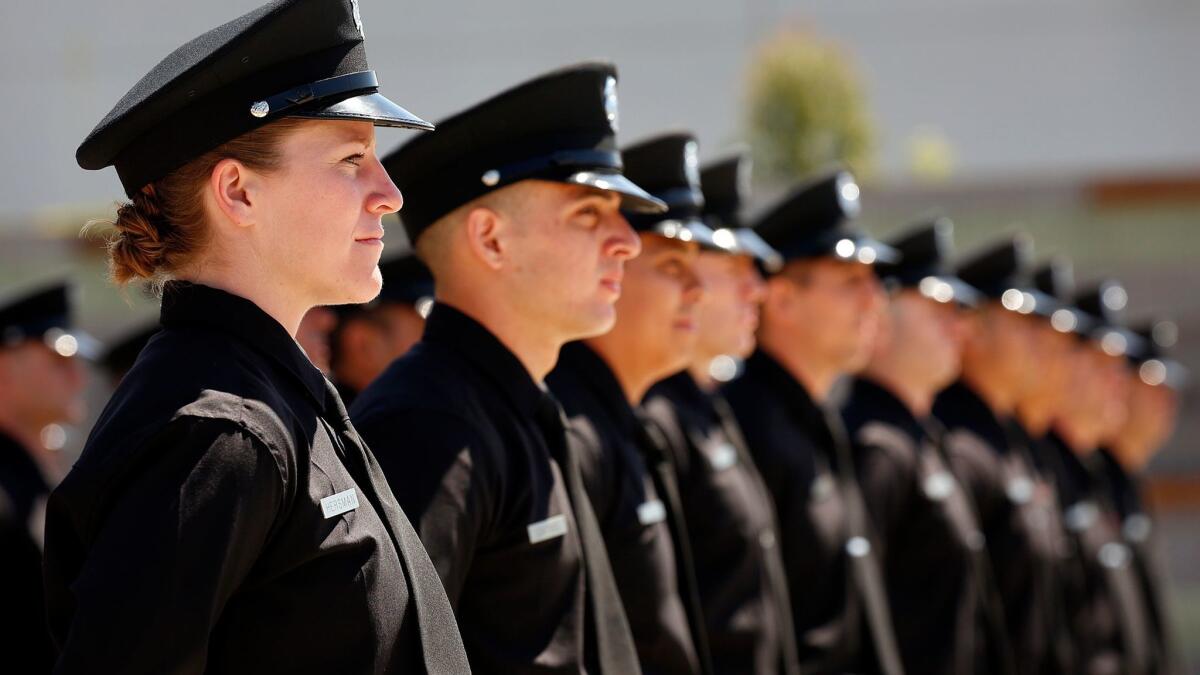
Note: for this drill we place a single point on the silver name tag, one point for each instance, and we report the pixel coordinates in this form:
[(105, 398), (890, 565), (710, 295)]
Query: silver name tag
[(723, 457), (336, 505), (652, 512), (544, 530)]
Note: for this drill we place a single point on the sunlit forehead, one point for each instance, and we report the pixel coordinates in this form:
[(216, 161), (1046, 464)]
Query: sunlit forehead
[(341, 132)]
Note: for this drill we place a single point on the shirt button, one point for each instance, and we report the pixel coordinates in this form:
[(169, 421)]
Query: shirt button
[(976, 541), (766, 539), (858, 546)]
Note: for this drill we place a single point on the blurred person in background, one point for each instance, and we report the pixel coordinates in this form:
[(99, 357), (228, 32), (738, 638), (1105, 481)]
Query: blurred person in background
[(223, 474), (314, 334), (733, 532), (41, 389), (940, 587), (1154, 384), (1056, 344), (819, 318), (369, 337), (122, 351), (601, 382), (1104, 604), (1015, 503)]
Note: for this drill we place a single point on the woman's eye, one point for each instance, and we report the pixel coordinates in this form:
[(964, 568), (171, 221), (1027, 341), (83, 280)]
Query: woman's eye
[(354, 159)]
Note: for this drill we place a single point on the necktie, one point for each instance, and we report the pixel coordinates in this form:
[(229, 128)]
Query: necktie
[(999, 653), (614, 646), (441, 644), (653, 444), (863, 560), (777, 576)]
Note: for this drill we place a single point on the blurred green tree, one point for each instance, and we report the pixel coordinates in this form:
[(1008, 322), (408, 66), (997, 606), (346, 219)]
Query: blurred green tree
[(806, 108)]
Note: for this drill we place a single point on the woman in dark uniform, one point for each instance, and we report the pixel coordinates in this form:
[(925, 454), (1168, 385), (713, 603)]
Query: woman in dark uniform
[(224, 515)]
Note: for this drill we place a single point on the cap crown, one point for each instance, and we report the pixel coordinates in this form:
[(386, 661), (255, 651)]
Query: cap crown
[(666, 166), (30, 313), (1000, 267), (549, 127), (925, 250), (812, 218), (726, 187), (203, 93)]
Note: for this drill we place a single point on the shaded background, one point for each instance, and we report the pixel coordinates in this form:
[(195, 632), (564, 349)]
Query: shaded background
[(1073, 120)]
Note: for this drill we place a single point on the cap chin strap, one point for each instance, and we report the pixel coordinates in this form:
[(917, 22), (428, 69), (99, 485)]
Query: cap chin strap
[(582, 159), (314, 91)]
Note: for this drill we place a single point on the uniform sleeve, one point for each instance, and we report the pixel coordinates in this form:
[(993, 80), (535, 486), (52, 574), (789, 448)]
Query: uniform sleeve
[(173, 541), (435, 464)]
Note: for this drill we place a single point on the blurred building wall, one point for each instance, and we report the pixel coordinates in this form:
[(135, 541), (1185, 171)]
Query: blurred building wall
[(1012, 87)]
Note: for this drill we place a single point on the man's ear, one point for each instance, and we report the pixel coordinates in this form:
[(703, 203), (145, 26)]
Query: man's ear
[(232, 187), (485, 230)]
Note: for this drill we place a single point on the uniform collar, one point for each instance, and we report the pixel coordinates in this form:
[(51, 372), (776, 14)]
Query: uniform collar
[(1074, 479), (871, 402), (961, 406), (683, 390), (591, 371), (452, 328), (186, 303), (1120, 483), (763, 367)]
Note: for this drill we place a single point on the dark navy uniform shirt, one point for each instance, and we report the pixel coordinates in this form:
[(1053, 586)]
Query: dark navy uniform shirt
[(790, 441), (632, 514), (928, 532), (24, 639), (455, 424), (1019, 516), (225, 517), (731, 523)]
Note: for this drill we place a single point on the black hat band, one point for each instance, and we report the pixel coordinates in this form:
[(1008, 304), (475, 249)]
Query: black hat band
[(581, 159), (315, 91)]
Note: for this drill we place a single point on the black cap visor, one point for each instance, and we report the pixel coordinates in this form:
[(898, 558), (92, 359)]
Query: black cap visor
[(1163, 372), (367, 107), (1116, 341), (1027, 300), (1068, 319), (862, 249), (947, 289), (688, 229), (750, 244), (71, 342), (633, 198)]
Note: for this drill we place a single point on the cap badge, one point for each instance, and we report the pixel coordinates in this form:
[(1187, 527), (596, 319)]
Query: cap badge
[(691, 162), (490, 177), (357, 18), (743, 179), (610, 102), (260, 108)]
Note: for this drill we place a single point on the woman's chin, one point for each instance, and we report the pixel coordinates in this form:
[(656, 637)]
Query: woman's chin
[(360, 287)]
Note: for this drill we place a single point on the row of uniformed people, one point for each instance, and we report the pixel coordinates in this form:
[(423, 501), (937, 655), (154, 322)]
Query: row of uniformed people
[(226, 515)]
